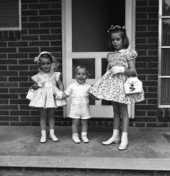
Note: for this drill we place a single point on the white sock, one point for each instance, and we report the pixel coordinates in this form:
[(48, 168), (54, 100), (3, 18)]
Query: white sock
[(124, 137), (51, 131), (84, 133)]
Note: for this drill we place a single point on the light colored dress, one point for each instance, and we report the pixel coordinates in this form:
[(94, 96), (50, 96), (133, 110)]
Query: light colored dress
[(79, 108), (44, 97), (110, 86)]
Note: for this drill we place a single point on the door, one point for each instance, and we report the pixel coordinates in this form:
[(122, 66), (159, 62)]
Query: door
[(85, 25)]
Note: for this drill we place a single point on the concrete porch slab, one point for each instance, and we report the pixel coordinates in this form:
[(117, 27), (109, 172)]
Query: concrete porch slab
[(149, 149)]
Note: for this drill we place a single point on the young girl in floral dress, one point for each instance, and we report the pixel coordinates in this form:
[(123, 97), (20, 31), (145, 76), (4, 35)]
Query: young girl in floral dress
[(110, 87)]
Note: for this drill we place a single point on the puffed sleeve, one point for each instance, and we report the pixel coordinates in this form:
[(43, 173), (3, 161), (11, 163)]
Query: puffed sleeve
[(130, 54), (35, 78), (108, 57)]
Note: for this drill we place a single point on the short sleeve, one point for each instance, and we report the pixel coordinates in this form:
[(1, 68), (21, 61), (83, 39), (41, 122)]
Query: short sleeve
[(108, 56), (57, 75), (68, 91), (35, 78), (130, 54)]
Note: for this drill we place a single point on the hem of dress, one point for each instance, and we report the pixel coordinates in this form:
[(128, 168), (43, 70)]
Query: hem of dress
[(80, 118), (42, 107), (128, 102)]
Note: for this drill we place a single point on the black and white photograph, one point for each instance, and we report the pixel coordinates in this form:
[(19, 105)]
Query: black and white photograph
[(84, 87)]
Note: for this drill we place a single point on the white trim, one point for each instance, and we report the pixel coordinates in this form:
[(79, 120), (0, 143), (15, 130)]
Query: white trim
[(63, 47), (130, 16), (67, 49), (161, 17)]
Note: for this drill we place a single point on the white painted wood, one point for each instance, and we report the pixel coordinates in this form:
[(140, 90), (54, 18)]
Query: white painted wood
[(98, 110)]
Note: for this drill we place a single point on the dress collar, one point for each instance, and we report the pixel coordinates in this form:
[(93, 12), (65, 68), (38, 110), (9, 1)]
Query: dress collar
[(78, 83), (121, 51)]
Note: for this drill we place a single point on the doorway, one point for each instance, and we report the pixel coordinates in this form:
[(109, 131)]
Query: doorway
[(85, 41)]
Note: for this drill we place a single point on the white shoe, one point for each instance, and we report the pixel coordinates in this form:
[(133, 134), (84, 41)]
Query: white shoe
[(84, 138), (123, 146), (76, 139), (54, 138), (112, 140), (43, 138)]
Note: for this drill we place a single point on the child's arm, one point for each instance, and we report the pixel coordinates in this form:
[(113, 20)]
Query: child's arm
[(60, 84), (64, 95), (61, 95), (131, 71)]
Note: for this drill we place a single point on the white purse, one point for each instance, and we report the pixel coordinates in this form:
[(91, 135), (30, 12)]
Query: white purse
[(133, 86), (30, 94)]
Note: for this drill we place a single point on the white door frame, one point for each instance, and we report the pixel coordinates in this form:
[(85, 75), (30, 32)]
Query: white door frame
[(130, 6)]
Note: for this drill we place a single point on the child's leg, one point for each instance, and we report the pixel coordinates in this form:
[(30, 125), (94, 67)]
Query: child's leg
[(125, 127), (75, 125), (84, 123), (52, 124), (43, 117), (116, 126)]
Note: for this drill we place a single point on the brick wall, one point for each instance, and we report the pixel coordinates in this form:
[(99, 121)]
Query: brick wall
[(147, 113), (41, 30)]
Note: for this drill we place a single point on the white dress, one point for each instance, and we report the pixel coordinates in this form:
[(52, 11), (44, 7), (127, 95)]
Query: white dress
[(44, 97), (79, 108), (110, 86)]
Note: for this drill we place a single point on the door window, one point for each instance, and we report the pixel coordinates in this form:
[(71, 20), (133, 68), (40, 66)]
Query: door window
[(90, 21)]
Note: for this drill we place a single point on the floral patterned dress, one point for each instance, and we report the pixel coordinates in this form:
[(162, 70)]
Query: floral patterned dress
[(110, 87)]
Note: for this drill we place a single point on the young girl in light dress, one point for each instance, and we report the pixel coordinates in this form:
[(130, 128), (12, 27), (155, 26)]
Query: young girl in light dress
[(79, 108), (110, 87), (45, 83)]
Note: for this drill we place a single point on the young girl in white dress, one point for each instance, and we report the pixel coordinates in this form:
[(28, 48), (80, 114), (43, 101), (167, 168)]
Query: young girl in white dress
[(45, 83), (121, 64), (79, 108)]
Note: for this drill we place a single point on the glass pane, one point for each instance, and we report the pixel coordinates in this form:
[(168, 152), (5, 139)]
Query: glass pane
[(91, 20), (166, 7), (89, 63), (165, 92), (165, 62), (9, 13), (166, 32)]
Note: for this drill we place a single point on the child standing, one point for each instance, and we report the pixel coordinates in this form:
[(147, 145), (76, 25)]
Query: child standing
[(79, 108), (121, 65), (43, 97)]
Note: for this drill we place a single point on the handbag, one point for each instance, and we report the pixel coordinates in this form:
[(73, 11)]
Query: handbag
[(30, 94), (133, 86)]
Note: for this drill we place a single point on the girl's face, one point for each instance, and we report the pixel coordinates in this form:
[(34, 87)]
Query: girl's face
[(117, 41), (81, 75), (45, 64)]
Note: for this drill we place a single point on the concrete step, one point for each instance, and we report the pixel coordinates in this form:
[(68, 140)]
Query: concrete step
[(149, 149), (77, 172)]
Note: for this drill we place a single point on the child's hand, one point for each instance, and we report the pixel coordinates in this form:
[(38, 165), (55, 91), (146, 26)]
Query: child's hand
[(117, 69), (34, 86), (59, 95)]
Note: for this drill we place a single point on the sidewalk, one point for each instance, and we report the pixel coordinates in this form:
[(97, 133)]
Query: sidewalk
[(149, 149)]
